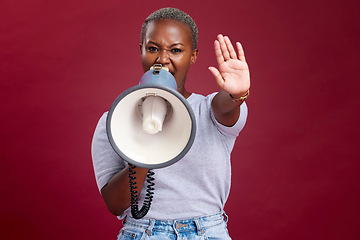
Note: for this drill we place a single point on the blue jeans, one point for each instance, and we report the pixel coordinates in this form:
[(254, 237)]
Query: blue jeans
[(210, 227)]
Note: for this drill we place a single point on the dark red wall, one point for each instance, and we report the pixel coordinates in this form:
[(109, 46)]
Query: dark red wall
[(295, 165)]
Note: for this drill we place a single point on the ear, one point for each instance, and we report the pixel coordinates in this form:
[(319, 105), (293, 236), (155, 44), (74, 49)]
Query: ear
[(194, 56)]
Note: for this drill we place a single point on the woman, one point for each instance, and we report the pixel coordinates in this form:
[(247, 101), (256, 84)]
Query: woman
[(190, 195)]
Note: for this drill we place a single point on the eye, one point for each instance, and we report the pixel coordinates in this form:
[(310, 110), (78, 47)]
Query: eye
[(152, 49), (176, 50)]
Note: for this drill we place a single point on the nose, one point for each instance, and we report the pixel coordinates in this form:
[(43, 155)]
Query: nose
[(163, 57)]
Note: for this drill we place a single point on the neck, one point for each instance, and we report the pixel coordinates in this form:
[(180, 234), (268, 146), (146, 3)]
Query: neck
[(183, 92)]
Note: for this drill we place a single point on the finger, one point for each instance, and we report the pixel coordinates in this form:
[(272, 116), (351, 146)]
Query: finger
[(240, 52), (218, 52), (230, 48), (217, 76), (223, 47)]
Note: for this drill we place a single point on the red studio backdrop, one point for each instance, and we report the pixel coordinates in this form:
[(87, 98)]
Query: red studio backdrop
[(295, 165)]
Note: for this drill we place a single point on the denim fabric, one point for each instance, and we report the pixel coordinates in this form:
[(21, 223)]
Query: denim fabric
[(212, 227)]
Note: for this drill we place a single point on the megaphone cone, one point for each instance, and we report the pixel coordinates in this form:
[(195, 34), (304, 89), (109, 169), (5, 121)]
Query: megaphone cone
[(151, 125)]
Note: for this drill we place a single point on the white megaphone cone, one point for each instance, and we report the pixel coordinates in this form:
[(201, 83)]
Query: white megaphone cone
[(151, 125)]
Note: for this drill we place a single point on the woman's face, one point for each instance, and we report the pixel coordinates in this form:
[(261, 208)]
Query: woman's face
[(169, 43)]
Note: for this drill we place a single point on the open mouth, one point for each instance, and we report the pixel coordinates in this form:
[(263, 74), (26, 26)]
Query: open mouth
[(159, 66), (170, 71)]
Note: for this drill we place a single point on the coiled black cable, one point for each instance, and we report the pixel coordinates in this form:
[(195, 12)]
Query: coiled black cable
[(133, 193)]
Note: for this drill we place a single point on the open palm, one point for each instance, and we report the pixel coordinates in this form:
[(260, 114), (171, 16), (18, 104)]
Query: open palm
[(233, 75)]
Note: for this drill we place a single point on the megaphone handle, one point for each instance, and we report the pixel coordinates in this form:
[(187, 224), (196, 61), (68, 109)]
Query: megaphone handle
[(133, 193)]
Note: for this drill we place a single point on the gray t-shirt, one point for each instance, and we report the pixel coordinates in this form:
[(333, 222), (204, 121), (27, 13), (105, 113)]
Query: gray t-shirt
[(196, 185)]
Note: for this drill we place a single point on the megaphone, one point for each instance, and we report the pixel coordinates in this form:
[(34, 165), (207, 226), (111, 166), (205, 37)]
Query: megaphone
[(151, 125)]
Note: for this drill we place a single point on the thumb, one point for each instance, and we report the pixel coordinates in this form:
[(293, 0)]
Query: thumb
[(216, 75)]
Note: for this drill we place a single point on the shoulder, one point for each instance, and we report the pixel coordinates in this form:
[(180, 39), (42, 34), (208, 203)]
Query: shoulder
[(202, 105), (196, 98)]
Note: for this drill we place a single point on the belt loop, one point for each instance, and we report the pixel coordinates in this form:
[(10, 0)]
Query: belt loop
[(124, 221), (200, 230), (225, 217), (150, 227)]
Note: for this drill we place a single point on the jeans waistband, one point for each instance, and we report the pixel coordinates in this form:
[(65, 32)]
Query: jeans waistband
[(198, 224)]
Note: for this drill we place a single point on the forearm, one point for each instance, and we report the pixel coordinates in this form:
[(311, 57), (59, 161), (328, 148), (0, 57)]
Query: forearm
[(116, 193), (226, 111)]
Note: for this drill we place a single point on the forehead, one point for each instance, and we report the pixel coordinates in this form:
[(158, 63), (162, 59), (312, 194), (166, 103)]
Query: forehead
[(169, 29)]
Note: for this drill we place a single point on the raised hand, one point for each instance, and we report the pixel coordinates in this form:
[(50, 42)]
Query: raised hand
[(233, 75)]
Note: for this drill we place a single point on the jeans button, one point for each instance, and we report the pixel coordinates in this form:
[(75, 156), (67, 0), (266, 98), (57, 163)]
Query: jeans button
[(180, 225)]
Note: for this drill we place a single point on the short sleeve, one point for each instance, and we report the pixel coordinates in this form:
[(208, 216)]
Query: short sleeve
[(237, 127), (106, 162)]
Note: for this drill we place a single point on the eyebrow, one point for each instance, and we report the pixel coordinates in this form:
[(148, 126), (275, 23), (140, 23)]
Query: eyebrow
[(172, 45)]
